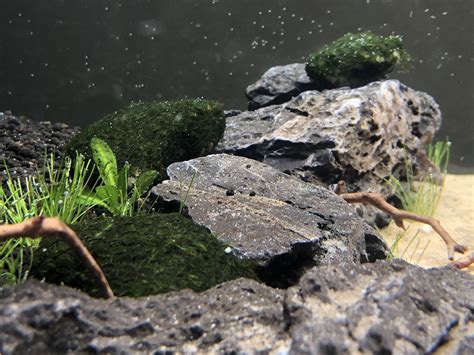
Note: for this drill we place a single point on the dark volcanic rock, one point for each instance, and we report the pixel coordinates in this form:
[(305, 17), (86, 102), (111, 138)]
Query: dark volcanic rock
[(381, 308), (265, 215), (362, 135), (278, 85), (38, 318), (376, 308), (24, 143)]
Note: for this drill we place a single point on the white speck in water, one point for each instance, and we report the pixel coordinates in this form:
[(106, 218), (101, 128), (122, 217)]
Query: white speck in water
[(444, 13), (426, 10), (228, 250), (411, 14)]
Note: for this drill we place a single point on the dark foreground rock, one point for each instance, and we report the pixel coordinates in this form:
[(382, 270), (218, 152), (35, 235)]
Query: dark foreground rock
[(361, 135), (371, 308), (278, 85), (266, 216)]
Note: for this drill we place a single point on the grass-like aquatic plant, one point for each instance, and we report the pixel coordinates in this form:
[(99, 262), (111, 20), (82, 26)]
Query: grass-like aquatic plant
[(421, 197), (52, 193)]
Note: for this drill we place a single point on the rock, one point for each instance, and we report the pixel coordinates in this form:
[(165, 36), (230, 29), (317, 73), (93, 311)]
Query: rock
[(23, 144), (370, 308), (37, 318), (361, 135), (381, 308), (278, 85), (266, 216)]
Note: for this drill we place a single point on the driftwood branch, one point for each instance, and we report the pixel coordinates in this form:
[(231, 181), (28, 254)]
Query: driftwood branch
[(43, 227), (378, 201), (464, 262)]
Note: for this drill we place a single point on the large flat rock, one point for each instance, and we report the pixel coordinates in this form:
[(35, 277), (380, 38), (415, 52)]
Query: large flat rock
[(264, 214), (379, 308)]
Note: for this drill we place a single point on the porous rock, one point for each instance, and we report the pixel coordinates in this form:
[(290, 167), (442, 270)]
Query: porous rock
[(381, 308), (24, 144), (278, 85), (265, 215), (361, 135)]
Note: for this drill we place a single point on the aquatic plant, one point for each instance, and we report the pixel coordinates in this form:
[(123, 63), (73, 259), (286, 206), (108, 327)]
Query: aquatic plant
[(421, 197), (114, 194), (153, 135), (355, 60), (52, 193)]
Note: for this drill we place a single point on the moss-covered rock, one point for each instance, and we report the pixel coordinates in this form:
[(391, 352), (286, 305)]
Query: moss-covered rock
[(153, 135), (355, 60), (143, 255)]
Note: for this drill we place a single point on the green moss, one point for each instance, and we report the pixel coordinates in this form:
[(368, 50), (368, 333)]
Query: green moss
[(143, 255), (355, 60), (156, 134)]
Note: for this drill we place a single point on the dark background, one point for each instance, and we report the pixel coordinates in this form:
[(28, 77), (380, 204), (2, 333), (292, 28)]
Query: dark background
[(75, 60)]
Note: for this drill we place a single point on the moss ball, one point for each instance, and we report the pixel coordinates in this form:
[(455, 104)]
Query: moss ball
[(142, 255), (152, 135), (355, 60)]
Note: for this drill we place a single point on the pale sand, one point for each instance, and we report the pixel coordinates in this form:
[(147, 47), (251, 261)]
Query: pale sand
[(456, 214)]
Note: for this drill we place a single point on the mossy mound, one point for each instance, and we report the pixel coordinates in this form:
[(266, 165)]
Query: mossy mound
[(153, 135), (142, 255), (355, 60)]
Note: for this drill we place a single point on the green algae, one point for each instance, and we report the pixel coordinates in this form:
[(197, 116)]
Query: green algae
[(142, 255), (152, 135), (355, 60)]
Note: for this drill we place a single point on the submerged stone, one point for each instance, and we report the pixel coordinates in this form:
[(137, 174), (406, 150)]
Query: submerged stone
[(142, 255), (153, 135), (268, 217)]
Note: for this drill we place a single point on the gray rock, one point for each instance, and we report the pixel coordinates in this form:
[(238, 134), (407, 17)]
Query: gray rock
[(278, 85), (381, 308), (371, 308), (265, 215), (361, 135), (37, 318)]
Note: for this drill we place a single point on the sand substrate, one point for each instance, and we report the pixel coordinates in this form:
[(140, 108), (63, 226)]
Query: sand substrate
[(456, 214)]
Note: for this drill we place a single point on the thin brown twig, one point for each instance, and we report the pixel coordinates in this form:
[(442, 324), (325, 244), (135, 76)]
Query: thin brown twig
[(38, 227), (378, 201)]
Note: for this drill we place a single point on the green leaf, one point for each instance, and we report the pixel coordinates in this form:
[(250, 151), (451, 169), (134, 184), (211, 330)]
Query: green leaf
[(144, 180), (123, 180), (110, 196), (105, 160), (90, 199)]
